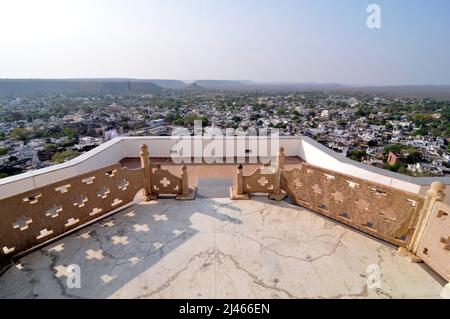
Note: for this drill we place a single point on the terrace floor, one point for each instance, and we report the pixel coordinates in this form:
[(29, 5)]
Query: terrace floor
[(217, 248)]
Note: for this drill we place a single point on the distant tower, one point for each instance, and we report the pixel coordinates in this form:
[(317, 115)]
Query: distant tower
[(129, 87)]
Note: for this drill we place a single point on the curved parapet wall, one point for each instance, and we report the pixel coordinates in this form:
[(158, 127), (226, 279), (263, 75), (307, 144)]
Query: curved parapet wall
[(162, 147), (34, 217), (319, 155), (380, 211)]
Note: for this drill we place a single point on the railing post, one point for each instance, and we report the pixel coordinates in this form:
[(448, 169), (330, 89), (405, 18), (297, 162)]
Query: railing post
[(145, 164), (184, 181), (277, 194), (434, 194), (240, 181), (281, 158), (237, 190), (279, 165), (186, 192)]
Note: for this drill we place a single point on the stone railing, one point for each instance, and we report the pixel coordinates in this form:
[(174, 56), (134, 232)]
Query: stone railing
[(34, 217), (264, 180), (160, 181), (419, 226), (378, 210), (432, 240)]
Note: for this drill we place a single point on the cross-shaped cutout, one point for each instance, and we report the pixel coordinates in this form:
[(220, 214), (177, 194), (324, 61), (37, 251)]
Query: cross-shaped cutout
[(103, 193), (263, 181), (107, 278), (139, 228), (54, 211), (7, 250), (378, 192), (32, 199), (22, 223), (111, 173), (80, 201), (94, 254), (95, 211), (165, 182), (116, 202), (71, 222), (63, 189), (412, 202), (161, 217), (85, 235), (123, 240), (89, 180), (123, 184), (62, 271), (44, 233), (352, 184), (108, 224), (130, 214), (57, 248)]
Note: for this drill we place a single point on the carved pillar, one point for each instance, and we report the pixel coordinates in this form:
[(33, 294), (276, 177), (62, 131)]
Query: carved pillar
[(184, 181), (434, 194), (240, 181), (145, 164), (278, 167), (281, 158)]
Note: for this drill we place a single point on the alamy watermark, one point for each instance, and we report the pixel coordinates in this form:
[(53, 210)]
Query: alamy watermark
[(374, 277), (211, 146), (374, 18), (73, 276)]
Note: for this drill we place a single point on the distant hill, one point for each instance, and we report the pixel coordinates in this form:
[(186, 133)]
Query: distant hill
[(170, 84), (219, 84), (95, 86), (195, 86), (120, 86)]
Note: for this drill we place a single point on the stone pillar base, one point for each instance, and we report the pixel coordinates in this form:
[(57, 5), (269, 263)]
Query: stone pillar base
[(409, 255), (191, 196), (150, 197), (235, 196), (278, 197)]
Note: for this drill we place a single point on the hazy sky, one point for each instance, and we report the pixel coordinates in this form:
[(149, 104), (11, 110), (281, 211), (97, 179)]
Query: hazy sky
[(301, 41)]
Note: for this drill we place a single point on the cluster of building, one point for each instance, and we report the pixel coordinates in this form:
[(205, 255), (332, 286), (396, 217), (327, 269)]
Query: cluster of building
[(34, 129)]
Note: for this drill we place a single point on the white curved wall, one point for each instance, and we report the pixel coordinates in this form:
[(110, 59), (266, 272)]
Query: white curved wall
[(160, 146)]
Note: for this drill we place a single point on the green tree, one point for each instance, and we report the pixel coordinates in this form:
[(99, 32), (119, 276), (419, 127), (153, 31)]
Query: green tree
[(357, 154), (67, 131), (19, 133), (61, 157)]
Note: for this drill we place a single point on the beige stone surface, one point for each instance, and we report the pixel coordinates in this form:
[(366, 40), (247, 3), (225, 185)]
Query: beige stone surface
[(218, 248)]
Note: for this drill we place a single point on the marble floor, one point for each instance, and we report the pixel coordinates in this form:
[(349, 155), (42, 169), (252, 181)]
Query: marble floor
[(217, 248)]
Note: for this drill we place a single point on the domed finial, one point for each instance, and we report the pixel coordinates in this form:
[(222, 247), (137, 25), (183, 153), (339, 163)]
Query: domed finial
[(437, 191), (144, 150), (438, 186)]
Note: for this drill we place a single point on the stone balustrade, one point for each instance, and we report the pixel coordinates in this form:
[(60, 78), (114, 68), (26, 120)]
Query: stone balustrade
[(34, 217)]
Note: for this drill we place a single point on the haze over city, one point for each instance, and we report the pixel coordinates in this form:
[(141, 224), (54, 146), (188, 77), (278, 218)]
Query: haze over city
[(325, 41)]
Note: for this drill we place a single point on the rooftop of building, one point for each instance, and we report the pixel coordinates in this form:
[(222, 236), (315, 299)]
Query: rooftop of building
[(216, 247)]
